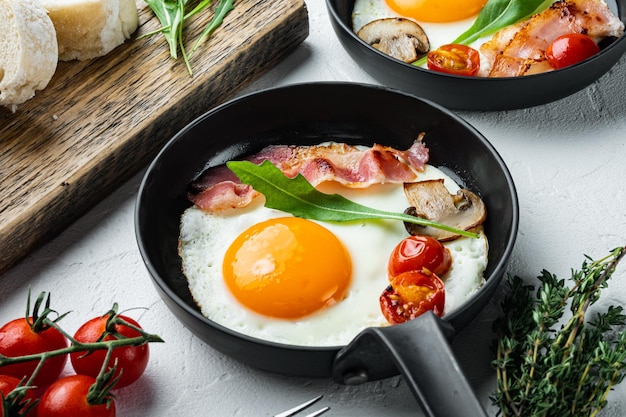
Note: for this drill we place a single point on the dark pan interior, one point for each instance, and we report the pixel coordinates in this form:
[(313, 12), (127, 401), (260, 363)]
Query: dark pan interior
[(310, 114), (473, 93)]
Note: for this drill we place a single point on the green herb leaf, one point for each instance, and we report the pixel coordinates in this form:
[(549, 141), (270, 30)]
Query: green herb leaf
[(199, 7), (496, 15), (222, 10), (298, 197), (171, 15)]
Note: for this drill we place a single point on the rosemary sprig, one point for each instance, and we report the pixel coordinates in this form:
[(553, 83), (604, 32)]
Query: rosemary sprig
[(544, 372)]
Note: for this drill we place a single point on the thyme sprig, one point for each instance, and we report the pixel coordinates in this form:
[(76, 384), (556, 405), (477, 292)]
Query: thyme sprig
[(544, 372)]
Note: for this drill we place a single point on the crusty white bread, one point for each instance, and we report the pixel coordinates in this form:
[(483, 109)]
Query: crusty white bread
[(91, 28), (28, 50)]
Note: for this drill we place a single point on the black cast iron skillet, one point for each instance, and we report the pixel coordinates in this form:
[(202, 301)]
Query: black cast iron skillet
[(311, 114), (473, 93)]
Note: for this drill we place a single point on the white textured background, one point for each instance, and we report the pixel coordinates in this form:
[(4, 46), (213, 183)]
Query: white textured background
[(567, 160)]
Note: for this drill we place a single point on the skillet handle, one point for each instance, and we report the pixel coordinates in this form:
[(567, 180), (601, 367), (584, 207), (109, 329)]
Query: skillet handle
[(420, 350)]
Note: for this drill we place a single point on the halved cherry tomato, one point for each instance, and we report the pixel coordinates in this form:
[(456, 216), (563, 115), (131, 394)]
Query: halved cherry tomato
[(20, 337), (131, 360), (68, 397), (24, 406), (411, 294), (454, 59), (569, 49), (418, 252)]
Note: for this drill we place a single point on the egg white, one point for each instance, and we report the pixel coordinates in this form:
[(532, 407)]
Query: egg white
[(204, 239), (439, 34)]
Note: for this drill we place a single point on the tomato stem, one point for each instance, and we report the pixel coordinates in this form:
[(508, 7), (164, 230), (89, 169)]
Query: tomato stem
[(42, 321), (100, 391), (36, 319), (15, 402), (113, 320), (76, 346)]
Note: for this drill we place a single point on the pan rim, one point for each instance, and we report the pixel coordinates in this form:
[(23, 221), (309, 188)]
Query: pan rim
[(163, 286)]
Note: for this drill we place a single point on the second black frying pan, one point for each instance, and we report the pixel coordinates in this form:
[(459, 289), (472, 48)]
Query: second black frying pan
[(474, 93)]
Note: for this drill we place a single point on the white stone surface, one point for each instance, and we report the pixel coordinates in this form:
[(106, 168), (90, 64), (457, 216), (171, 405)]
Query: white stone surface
[(567, 160)]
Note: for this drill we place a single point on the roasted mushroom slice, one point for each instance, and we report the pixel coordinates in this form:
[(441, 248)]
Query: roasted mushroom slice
[(431, 200), (400, 38)]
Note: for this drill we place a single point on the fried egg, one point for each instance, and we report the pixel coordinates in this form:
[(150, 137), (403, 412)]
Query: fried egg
[(333, 273), (443, 21)]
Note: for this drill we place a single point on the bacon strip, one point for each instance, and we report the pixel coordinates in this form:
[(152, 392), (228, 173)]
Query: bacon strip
[(520, 49), (356, 167)]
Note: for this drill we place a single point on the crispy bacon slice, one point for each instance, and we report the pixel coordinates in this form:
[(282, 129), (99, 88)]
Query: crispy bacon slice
[(357, 167), (520, 49)]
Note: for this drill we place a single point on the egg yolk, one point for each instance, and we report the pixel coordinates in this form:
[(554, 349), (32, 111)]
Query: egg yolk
[(437, 11), (287, 268)]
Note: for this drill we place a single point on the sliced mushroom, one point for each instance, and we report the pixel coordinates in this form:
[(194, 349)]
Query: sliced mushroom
[(431, 200), (400, 38)]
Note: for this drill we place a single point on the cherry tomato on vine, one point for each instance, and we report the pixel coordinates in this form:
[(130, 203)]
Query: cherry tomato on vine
[(23, 408), (454, 59), (131, 360), (20, 337), (569, 49), (70, 396), (419, 252), (411, 294)]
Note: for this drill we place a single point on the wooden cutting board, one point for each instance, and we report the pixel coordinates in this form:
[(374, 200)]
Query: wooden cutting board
[(100, 121)]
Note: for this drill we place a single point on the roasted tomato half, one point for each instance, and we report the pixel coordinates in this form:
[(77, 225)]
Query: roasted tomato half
[(411, 294), (454, 59), (418, 252), (570, 49)]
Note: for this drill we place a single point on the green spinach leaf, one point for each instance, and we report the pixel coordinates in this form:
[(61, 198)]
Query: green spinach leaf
[(298, 197), (498, 14)]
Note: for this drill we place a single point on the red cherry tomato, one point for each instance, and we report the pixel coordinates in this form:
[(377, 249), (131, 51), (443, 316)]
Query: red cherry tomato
[(19, 337), (68, 397), (131, 360), (8, 384), (411, 294), (454, 59), (569, 49), (418, 252)]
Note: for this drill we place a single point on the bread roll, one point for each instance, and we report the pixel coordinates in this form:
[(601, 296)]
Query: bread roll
[(91, 28), (28, 50)]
